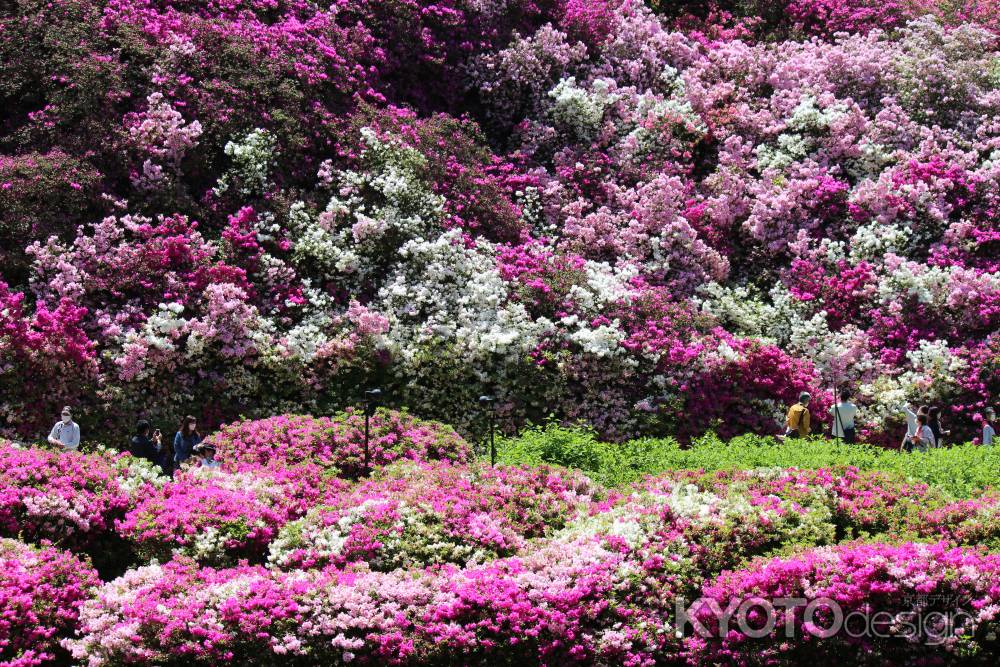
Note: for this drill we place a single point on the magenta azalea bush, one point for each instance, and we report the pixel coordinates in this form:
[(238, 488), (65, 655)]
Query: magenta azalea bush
[(338, 442), (887, 586), (220, 517), (70, 499), (565, 603), (965, 522), (41, 592)]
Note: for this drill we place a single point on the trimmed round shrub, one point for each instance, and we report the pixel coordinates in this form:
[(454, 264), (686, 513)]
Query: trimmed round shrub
[(219, 517), (71, 498), (41, 592), (417, 514), (339, 441)]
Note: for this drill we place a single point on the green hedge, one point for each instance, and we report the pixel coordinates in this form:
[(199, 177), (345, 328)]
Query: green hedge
[(962, 470)]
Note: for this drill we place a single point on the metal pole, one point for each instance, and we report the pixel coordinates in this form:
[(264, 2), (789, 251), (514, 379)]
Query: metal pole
[(493, 447), (367, 411), (488, 403), (371, 400)]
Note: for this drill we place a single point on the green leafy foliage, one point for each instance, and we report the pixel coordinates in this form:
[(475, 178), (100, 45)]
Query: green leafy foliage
[(963, 470)]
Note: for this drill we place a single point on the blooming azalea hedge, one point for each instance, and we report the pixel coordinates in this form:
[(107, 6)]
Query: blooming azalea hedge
[(436, 561), (338, 442)]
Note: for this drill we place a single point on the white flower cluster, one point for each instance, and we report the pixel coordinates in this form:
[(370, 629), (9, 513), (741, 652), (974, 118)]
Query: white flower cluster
[(445, 291), (872, 242), (324, 541), (372, 212), (579, 111), (252, 158), (807, 122), (929, 284)]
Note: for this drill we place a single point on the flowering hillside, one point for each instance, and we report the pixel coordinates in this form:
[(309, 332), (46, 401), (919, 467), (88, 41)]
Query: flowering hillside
[(654, 219)]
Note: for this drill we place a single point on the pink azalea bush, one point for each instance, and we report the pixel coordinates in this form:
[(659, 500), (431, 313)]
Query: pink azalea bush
[(435, 562), (70, 499), (860, 503), (41, 592), (671, 527), (891, 585), (565, 592), (220, 517), (966, 522), (431, 513), (338, 442)]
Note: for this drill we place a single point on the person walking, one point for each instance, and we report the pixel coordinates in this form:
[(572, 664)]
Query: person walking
[(911, 424), (923, 439), (797, 421), (934, 421), (989, 432), (66, 432), (186, 439), (843, 418)]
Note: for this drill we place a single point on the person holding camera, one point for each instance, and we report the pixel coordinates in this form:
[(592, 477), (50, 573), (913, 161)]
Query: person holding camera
[(143, 446), (797, 421)]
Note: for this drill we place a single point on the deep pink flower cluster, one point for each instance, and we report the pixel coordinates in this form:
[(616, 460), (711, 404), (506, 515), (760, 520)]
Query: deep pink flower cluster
[(338, 442), (70, 499), (221, 517), (564, 603), (907, 595), (41, 592)]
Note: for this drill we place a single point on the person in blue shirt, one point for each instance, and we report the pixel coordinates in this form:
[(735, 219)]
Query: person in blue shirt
[(186, 439)]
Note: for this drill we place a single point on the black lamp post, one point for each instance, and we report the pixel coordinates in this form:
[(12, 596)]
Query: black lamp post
[(489, 403), (372, 397)]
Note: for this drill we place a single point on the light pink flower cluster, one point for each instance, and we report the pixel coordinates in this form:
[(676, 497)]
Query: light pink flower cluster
[(419, 514)]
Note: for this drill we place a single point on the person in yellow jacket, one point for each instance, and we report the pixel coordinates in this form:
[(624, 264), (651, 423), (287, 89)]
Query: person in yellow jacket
[(797, 421)]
